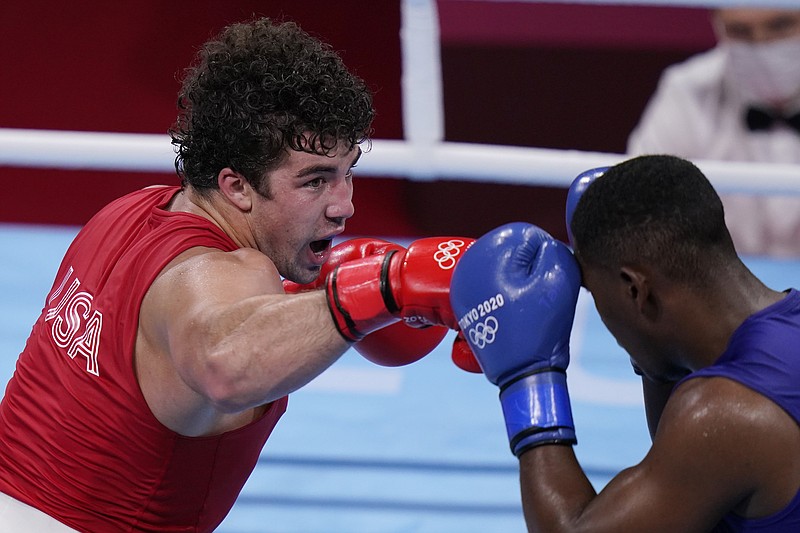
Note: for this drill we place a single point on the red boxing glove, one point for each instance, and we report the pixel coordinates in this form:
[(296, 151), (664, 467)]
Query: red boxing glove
[(342, 252), (370, 293), (395, 345), (399, 344), (462, 355)]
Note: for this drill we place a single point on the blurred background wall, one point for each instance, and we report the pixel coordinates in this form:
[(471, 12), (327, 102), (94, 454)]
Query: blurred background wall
[(550, 75)]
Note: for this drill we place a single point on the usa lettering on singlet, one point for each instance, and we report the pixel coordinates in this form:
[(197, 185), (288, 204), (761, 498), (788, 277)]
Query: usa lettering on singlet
[(75, 326)]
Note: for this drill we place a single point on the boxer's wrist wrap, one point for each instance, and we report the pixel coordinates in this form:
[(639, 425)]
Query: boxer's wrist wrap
[(537, 410), (357, 296)]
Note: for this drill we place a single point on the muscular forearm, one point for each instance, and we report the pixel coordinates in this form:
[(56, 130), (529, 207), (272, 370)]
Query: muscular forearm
[(655, 395), (555, 490), (262, 348)]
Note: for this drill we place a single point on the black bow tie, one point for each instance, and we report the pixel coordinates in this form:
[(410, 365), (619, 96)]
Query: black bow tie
[(759, 119)]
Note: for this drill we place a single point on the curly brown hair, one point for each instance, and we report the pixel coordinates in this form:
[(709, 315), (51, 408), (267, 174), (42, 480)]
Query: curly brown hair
[(258, 89)]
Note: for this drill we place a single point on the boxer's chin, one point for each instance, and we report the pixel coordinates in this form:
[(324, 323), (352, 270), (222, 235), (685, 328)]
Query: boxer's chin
[(302, 275)]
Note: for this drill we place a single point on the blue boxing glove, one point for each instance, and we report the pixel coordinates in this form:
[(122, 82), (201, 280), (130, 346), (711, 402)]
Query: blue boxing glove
[(579, 185), (514, 293)]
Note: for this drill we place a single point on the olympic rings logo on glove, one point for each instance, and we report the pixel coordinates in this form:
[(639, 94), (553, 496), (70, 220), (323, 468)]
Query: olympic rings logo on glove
[(484, 332), (448, 251)]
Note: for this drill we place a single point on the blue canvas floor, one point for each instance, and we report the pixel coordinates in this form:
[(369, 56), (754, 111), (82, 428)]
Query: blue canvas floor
[(370, 449)]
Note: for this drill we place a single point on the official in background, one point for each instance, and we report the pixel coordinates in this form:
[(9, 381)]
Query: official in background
[(739, 101)]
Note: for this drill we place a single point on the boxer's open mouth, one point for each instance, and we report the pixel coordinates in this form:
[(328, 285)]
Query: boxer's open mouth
[(319, 247)]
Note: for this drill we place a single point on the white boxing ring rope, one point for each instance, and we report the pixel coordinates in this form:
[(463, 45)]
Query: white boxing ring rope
[(386, 158)]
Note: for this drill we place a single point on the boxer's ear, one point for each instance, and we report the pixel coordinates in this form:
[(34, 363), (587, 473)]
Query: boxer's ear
[(236, 189), (639, 288)]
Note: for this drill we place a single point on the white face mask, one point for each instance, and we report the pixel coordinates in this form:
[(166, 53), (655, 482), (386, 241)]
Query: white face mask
[(767, 73)]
